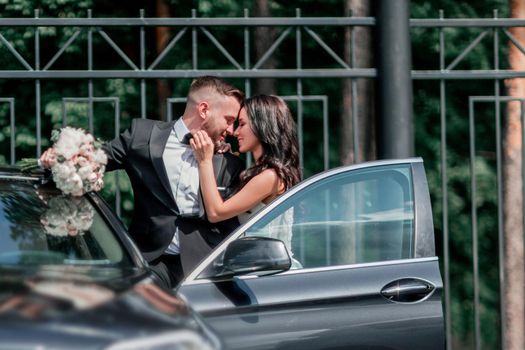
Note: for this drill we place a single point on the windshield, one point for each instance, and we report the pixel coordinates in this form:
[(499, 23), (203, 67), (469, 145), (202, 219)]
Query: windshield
[(39, 225)]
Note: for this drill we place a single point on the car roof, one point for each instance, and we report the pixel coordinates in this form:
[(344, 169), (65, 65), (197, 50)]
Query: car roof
[(13, 172)]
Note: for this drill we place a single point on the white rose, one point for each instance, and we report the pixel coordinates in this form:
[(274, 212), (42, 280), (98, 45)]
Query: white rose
[(85, 171), (72, 185), (86, 150), (68, 142), (88, 138), (81, 161), (100, 157), (61, 171), (92, 177)]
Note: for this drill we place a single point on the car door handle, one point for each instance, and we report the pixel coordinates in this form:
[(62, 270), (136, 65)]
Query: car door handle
[(407, 290)]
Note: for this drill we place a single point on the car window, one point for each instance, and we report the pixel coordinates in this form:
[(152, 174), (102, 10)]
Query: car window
[(356, 217), (40, 225)]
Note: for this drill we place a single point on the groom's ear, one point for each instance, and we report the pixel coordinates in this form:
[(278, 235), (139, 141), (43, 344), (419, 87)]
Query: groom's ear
[(203, 109)]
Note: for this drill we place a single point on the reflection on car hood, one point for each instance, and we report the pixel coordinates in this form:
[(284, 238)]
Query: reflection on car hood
[(72, 307)]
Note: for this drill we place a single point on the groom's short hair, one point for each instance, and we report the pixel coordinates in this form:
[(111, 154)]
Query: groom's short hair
[(215, 84)]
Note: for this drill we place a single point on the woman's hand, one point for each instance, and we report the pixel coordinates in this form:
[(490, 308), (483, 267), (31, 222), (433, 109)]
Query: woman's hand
[(202, 146), (48, 158)]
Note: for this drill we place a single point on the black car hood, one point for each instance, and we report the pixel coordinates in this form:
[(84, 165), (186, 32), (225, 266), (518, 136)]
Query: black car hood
[(86, 307)]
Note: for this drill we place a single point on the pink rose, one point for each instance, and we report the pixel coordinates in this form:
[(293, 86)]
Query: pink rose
[(51, 158), (92, 177)]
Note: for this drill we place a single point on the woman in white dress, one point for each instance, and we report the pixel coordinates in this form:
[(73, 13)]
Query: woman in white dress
[(267, 130)]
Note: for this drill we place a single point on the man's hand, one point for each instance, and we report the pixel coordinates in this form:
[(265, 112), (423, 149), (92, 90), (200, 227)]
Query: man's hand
[(222, 147), (48, 158)]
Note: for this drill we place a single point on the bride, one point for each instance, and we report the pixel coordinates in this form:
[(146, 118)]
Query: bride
[(267, 130)]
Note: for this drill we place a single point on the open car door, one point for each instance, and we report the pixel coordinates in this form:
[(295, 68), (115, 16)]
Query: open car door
[(354, 268)]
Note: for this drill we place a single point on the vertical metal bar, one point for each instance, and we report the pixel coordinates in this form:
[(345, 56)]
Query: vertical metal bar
[(247, 63), (90, 81), (501, 247), (353, 87), (328, 194), (37, 93), (194, 58), (394, 102), (299, 85), (326, 141), (142, 67), (444, 193), (117, 173), (64, 115), (474, 223), (299, 61), (247, 85), (12, 127), (169, 112), (328, 232)]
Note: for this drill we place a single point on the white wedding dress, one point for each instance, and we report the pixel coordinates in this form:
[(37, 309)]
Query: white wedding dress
[(279, 228)]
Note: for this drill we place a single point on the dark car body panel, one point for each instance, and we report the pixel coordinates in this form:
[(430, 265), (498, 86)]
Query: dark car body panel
[(81, 290), (338, 307), (97, 312)]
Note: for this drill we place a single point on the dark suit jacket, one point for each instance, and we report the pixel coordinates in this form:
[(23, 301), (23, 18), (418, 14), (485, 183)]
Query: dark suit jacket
[(139, 150)]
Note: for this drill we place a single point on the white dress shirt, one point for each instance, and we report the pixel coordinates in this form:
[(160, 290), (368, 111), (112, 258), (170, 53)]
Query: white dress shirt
[(183, 173)]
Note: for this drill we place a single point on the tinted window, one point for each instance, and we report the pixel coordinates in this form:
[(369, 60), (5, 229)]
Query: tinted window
[(356, 217), (41, 226)]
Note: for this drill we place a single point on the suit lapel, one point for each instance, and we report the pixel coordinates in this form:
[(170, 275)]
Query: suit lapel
[(218, 162), (158, 140), (218, 165)]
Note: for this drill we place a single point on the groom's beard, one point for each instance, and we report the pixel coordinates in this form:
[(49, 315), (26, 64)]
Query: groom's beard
[(209, 126)]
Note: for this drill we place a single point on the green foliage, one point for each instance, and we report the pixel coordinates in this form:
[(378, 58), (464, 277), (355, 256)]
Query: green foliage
[(425, 48), (425, 55)]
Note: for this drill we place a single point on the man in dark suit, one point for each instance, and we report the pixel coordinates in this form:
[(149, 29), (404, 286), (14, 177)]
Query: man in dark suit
[(169, 223)]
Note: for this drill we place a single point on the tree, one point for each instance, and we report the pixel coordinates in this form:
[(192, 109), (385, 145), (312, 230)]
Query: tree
[(514, 296), (264, 38), (162, 36), (365, 118)]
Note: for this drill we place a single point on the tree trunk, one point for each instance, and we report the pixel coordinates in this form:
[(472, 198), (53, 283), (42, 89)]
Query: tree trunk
[(514, 281), (365, 121), (162, 36), (365, 92), (264, 38)]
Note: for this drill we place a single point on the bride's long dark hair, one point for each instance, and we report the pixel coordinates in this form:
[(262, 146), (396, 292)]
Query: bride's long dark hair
[(273, 124)]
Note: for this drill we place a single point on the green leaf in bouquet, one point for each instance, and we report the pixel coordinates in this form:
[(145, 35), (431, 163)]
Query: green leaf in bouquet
[(28, 164), (55, 134)]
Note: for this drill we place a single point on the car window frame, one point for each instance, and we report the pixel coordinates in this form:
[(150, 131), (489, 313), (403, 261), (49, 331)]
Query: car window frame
[(116, 226), (423, 224)]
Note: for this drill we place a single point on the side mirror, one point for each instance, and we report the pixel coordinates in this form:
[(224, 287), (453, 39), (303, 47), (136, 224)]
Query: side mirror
[(261, 255)]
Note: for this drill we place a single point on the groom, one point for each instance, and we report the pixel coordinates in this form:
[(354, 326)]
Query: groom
[(169, 224)]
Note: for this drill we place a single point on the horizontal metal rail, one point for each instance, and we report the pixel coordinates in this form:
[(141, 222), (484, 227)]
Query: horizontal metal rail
[(257, 73), (188, 22), (190, 73), (467, 22), (256, 22)]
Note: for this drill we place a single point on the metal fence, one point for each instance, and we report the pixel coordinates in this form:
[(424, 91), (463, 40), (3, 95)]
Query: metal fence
[(296, 29)]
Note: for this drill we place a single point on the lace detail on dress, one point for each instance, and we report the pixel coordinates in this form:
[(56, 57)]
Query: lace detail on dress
[(244, 217), (279, 228)]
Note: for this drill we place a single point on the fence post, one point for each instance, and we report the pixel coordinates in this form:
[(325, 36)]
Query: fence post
[(394, 85)]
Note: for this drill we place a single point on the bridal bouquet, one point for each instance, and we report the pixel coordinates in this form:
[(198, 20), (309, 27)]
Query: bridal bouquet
[(67, 216), (77, 162)]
